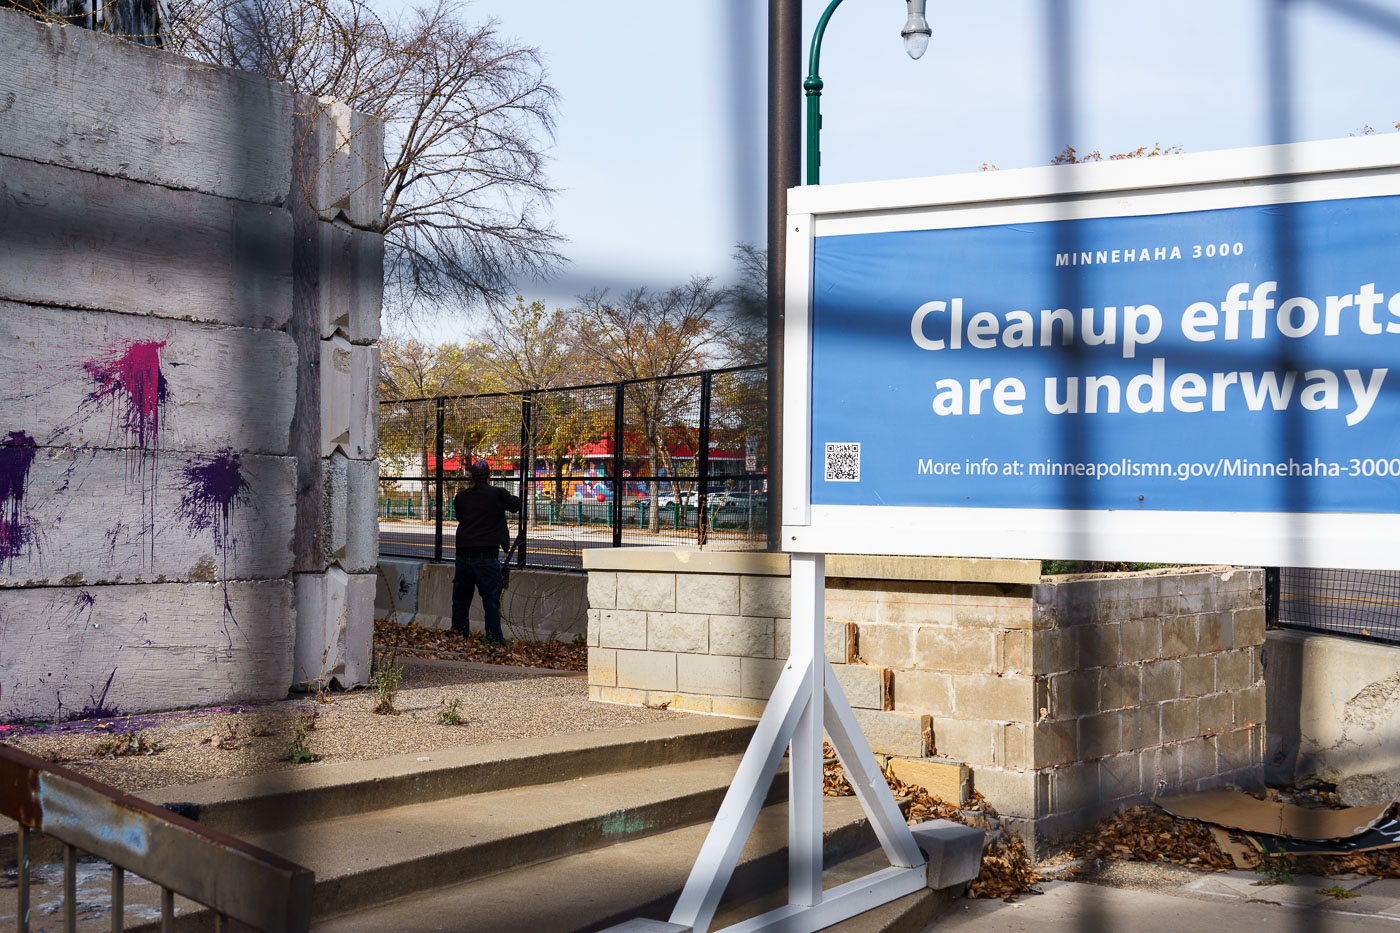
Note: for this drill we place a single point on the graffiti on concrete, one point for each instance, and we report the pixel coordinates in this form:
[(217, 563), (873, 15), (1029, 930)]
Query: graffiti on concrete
[(17, 533), (213, 487)]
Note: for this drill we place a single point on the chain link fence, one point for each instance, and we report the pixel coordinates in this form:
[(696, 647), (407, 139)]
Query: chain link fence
[(690, 470), (1354, 603)]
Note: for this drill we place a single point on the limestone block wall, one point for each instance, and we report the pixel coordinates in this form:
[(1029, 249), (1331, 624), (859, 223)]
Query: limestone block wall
[(1061, 699), (154, 293)]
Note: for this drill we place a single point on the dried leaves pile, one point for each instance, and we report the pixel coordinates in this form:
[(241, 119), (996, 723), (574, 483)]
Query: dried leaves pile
[(1151, 834), (1006, 866), (439, 643)]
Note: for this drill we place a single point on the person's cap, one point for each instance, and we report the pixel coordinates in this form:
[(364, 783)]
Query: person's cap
[(481, 472)]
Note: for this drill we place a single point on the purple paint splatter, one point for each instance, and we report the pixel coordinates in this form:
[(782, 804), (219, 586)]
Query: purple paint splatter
[(214, 485), (17, 532), (128, 380)]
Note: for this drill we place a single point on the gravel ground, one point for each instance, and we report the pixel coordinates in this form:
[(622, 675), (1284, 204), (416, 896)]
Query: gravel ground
[(498, 704)]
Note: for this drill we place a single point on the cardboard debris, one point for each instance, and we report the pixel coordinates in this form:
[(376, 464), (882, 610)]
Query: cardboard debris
[(1384, 835), (1236, 846), (1237, 810)]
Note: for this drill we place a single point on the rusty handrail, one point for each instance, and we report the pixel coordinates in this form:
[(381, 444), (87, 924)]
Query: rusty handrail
[(231, 877)]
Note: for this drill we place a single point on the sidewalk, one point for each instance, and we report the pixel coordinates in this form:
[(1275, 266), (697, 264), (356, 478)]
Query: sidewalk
[(1221, 903)]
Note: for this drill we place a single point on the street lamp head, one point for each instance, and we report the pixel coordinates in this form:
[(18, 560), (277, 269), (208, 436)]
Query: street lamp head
[(916, 32)]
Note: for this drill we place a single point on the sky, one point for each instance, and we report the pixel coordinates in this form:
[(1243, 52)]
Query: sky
[(661, 144)]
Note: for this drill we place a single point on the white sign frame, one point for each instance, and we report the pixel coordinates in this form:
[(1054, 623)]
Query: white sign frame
[(1348, 168)]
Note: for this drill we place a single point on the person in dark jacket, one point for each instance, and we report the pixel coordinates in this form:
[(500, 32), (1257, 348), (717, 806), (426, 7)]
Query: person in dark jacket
[(481, 533)]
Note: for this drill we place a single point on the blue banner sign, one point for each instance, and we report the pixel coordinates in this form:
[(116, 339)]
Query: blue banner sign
[(1242, 359)]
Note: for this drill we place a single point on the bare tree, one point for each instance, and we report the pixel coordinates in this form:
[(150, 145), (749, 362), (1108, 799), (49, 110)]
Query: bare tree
[(467, 115), (653, 334), (743, 341)]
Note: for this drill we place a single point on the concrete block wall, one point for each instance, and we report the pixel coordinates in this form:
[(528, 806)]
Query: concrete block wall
[(153, 499), (1061, 699), (538, 605)]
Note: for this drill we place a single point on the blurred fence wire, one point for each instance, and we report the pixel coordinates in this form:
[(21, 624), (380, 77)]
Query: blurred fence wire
[(1354, 603), (680, 461)]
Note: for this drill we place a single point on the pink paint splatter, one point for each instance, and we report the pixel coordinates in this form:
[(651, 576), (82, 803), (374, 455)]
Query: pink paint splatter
[(17, 534), (130, 380)]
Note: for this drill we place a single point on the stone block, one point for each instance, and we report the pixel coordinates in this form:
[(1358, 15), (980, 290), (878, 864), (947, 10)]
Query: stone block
[(1055, 742), (648, 592), (1197, 675), (984, 609), (954, 852), (622, 628), (1233, 670), (1074, 787), (351, 282), (1235, 750), (970, 740), (1044, 602), (929, 692), (1158, 597), (1210, 633), (1013, 652), (349, 399), (1022, 794), (350, 518), (1099, 644), (947, 780), (741, 636), (1197, 592), (896, 733), (953, 649), (1120, 598), (836, 639), (709, 674), (692, 703), (624, 696), (733, 706), (1161, 681), (891, 645), (676, 631), (765, 596), (334, 628), (602, 589), (1161, 768), (602, 667), (1250, 706), (1073, 694), (1119, 687), (1217, 713), (594, 625), (916, 603), (708, 593), (435, 595), (1197, 759), (1100, 734), (1249, 626), (1179, 636), (1053, 650), (1079, 603), (1140, 727), (989, 697), (396, 591), (349, 179), (1011, 745), (1120, 777), (1180, 719), (759, 676), (1140, 640), (865, 687), (646, 670)]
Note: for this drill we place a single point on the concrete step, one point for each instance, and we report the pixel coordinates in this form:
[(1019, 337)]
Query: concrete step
[(282, 799), (597, 888)]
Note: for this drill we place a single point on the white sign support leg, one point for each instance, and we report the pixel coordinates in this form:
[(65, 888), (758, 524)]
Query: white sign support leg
[(806, 697)]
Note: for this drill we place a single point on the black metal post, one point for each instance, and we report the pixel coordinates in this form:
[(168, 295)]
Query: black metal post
[(702, 462), (784, 172), (619, 427), (1272, 585), (437, 481), (526, 455)]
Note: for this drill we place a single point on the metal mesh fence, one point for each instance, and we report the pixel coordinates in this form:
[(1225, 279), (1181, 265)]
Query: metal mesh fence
[(1357, 603), (690, 469)]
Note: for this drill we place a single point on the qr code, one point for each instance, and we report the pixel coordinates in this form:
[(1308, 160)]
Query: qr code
[(843, 463)]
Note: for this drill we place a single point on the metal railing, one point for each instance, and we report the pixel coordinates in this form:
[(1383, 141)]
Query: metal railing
[(1362, 604), (678, 460), (235, 880)]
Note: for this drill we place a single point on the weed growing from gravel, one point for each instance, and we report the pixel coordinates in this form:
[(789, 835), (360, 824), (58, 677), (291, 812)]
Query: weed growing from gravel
[(386, 682), (1337, 892), (299, 751), (1274, 869), (124, 744), (450, 714)]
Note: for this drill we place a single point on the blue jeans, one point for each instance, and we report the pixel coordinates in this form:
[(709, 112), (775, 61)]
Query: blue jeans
[(481, 574)]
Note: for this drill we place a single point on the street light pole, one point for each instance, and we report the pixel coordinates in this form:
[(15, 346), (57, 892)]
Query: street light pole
[(915, 32)]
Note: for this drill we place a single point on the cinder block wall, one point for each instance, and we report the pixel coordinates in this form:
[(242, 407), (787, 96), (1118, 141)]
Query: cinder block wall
[(1062, 699), (159, 331)]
